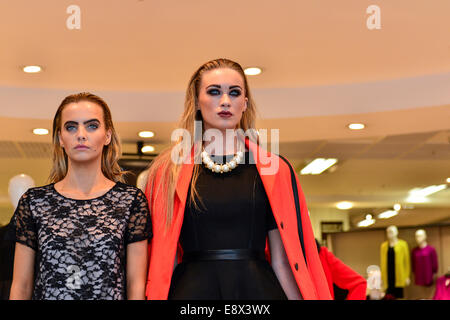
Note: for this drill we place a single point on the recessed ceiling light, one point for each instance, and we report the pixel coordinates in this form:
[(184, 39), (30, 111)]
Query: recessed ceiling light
[(32, 69), (318, 166), (252, 71), (40, 131), (146, 134), (147, 149), (356, 126), (344, 205)]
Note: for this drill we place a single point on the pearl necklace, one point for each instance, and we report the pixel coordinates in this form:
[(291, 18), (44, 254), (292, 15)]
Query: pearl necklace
[(221, 168)]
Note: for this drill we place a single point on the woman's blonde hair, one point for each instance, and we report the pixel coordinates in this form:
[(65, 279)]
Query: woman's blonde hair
[(110, 154), (164, 165)]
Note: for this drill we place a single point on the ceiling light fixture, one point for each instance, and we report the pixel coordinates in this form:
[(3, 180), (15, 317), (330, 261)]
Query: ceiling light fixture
[(344, 205), (252, 71), (419, 195), (318, 166), (366, 222), (448, 180), (147, 149), (387, 214), (146, 134), (397, 207), (356, 126), (40, 131), (32, 69)]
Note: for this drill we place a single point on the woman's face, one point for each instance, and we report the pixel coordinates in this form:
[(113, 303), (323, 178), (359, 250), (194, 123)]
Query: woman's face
[(83, 133), (222, 99)]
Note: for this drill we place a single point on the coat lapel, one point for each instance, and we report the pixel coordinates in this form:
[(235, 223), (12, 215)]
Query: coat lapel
[(264, 160), (184, 179)]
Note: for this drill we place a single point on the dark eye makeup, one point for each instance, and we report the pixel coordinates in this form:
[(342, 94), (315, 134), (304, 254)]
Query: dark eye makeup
[(90, 125), (215, 92)]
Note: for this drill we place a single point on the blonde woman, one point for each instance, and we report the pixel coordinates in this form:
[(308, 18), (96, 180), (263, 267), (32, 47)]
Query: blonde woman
[(222, 207), (87, 231)]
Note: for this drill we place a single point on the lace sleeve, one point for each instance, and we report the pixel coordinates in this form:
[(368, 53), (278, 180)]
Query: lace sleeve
[(139, 225), (24, 224)]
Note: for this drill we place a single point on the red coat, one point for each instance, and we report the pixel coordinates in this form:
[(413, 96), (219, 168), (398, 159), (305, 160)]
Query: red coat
[(343, 276), (309, 276)]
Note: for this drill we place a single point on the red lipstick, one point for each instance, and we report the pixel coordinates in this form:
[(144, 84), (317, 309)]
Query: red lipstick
[(225, 114)]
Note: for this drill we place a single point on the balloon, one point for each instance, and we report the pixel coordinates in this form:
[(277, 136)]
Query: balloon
[(18, 185), (141, 181)]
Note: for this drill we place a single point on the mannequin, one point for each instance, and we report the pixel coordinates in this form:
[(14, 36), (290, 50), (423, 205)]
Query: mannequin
[(395, 263), (17, 186), (141, 181), (374, 283), (424, 260)]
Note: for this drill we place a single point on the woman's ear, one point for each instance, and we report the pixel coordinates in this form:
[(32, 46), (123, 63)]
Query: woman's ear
[(246, 103), (108, 137), (59, 139)]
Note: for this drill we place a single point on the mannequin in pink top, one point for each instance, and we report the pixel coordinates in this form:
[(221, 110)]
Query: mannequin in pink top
[(424, 260)]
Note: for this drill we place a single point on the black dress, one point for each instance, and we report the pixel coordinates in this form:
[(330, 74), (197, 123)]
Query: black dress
[(235, 214), (81, 244)]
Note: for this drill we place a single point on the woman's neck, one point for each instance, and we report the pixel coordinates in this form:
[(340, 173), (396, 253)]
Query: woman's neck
[(223, 146), (84, 179)]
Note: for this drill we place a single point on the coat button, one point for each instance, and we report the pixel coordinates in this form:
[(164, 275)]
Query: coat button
[(296, 266), (281, 225)]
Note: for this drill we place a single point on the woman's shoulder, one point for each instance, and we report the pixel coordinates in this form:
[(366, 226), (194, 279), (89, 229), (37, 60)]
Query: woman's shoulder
[(128, 188), (39, 191)]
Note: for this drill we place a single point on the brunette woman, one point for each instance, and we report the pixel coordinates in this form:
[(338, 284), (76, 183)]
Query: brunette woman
[(83, 236)]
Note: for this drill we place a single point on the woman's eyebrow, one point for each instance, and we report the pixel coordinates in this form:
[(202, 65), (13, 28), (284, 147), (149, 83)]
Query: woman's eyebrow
[(75, 122), (218, 86), (92, 120)]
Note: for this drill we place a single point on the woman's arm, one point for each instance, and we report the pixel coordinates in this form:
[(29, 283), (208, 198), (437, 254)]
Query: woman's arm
[(23, 274), (345, 277), (281, 266), (137, 270)]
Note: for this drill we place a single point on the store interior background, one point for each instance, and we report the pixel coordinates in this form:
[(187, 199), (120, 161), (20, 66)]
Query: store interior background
[(322, 69)]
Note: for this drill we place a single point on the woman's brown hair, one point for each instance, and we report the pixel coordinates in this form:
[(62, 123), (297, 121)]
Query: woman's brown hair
[(110, 154)]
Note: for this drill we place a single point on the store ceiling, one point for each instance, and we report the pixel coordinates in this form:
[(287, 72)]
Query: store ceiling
[(322, 69)]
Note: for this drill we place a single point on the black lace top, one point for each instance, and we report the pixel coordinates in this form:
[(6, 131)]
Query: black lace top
[(81, 244)]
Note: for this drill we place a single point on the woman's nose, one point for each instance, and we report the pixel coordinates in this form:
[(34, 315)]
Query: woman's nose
[(81, 134), (225, 101)]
